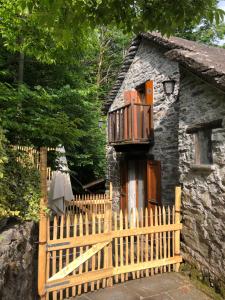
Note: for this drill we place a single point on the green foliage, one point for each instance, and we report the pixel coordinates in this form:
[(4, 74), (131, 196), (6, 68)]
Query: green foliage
[(19, 187), (3, 157), (37, 117), (205, 33), (53, 30)]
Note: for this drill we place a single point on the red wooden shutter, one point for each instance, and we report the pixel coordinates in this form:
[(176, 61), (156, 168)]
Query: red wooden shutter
[(126, 96), (153, 183), (124, 185), (149, 92)]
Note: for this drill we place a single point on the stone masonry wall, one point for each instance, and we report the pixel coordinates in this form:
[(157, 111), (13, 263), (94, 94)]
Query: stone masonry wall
[(18, 262), (150, 63), (203, 200)]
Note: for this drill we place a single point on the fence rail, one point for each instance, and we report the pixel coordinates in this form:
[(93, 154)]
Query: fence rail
[(85, 254)]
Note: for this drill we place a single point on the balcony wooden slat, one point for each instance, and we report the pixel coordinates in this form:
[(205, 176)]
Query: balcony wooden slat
[(131, 123)]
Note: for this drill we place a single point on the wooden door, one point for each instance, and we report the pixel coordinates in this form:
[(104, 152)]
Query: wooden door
[(153, 183)]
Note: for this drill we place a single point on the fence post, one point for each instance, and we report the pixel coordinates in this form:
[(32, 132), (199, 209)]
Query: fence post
[(42, 225), (177, 221), (109, 219)]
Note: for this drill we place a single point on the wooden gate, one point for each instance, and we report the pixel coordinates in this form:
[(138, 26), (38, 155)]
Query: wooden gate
[(83, 255)]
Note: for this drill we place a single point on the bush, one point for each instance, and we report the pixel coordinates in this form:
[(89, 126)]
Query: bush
[(19, 184)]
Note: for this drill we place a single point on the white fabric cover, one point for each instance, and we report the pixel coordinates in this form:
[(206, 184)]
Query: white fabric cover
[(60, 189)]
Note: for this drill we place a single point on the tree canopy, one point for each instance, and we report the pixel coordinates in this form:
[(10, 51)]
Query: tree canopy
[(51, 29)]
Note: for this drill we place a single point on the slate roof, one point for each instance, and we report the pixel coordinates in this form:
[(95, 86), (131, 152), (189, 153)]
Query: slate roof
[(206, 61)]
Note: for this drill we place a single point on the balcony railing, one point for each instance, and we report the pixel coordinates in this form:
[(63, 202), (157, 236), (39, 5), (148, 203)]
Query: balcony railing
[(130, 124)]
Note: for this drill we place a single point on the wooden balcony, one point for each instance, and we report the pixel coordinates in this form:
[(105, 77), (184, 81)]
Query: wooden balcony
[(130, 124)]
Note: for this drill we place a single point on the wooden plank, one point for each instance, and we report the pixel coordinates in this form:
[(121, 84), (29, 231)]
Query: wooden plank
[(79, 279), (54, 295), (127, 244), (164, 237), (156, 238), (138, 243), (108, 236), (93, 255), (81, 253), (42, 255), (177, 221), (78, 262), (160, 235), (105, 230), (152, 240), (74, 250), (61, 251), (67, 250), (169, 238), (132, 216), (121, 244), (146, 241), (78, 241), (116, 245), (99, 253), (141, 218), (86, 249), (149, 91), (173, 234), (109, 246), (143, 266), (145, 230)]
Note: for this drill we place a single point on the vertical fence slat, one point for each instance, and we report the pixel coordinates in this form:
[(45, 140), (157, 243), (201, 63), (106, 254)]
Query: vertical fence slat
[(173, 233), (87, 247), (146, 241), (61, 252), (152, 240), (160, 236), (169, 238), (177, 221), (81, 250), (121, 245), (142, 239), (74, 250), (138, 242), (164, 236), (116, 245), (127, 244), (67, 250), (99, 252), (156, 238), (132, 216), (54, 294)]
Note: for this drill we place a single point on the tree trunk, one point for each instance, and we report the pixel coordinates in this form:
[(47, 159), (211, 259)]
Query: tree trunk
[(21, 68)]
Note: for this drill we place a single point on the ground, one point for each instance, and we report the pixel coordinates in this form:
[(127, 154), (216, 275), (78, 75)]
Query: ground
[(168, 286)]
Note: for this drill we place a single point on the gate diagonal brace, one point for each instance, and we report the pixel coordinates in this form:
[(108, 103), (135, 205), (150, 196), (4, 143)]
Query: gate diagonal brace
[(78, 261)]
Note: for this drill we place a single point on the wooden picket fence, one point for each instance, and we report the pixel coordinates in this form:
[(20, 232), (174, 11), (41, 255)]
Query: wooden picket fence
[(34, 157), (90, 203), (84, 255)]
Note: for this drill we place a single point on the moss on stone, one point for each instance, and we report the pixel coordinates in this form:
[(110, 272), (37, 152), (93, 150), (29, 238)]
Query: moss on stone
[(213, 287)]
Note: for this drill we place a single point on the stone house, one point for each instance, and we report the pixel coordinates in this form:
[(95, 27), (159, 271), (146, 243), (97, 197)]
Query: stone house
[(166, 127)]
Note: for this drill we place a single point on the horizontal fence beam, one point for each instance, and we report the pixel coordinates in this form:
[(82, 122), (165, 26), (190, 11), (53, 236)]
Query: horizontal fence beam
[(104, 273), (88, 201), (147, 265), (80, 241), (73, 280), (146, 230)]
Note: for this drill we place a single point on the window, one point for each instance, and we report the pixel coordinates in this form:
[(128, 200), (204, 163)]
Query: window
[(203, 141), (203, 147)]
